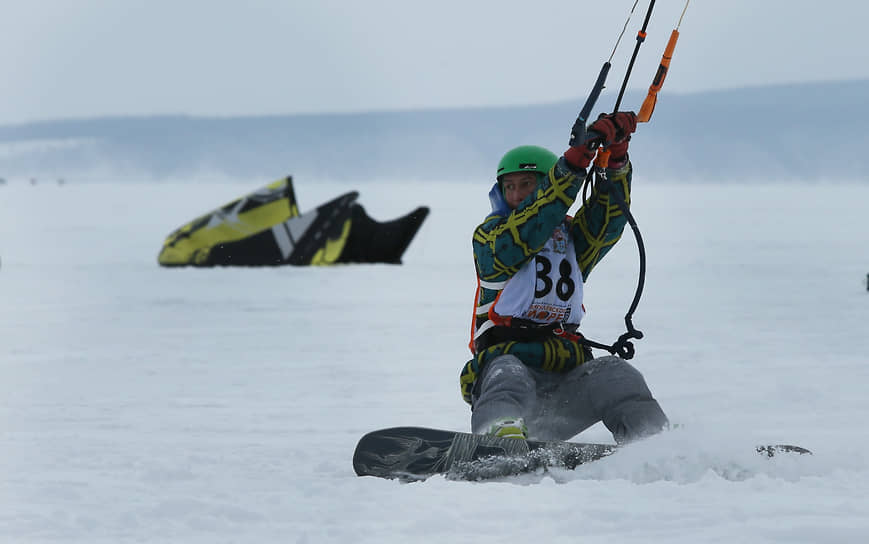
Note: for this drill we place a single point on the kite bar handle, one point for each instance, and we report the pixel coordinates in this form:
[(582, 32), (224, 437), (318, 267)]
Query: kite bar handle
[(651, 99), (578, 134)]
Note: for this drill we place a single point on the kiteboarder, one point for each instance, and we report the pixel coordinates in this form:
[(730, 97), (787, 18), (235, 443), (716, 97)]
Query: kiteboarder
[(531, 375)]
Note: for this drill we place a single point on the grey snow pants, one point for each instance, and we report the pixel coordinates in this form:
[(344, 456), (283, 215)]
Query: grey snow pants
[(560, 406)]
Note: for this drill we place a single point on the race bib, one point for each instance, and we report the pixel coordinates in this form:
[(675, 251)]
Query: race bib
[(548, 288)]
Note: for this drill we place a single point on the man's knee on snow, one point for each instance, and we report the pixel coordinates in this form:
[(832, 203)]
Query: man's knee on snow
[(626, 404), (634, 419)]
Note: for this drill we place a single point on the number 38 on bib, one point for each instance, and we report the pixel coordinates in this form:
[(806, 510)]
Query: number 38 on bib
[(548, 288)]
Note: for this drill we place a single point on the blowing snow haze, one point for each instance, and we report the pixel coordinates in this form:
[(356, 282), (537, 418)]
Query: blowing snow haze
[(809, 131)]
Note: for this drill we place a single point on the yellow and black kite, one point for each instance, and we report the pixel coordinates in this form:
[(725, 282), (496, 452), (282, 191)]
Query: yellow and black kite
[(265, 228)]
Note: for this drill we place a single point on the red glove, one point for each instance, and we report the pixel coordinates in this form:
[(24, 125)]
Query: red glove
[(616, 129), (618, 154), (579, 157)]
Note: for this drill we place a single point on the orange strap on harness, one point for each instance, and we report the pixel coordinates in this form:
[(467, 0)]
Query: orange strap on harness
[(603, 158)]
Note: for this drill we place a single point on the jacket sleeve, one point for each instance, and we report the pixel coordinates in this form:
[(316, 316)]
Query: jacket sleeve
[(503, 243), (599, 223)]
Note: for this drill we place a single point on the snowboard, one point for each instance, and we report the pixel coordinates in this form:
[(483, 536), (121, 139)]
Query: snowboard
[(417, 453)]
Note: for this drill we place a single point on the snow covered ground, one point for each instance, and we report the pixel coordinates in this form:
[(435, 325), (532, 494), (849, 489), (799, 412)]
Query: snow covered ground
[(144, 404)]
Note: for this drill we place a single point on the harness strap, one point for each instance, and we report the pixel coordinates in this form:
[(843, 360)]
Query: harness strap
[(521, 331)]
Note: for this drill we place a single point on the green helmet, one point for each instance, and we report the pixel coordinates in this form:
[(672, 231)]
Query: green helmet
[(526, 158)]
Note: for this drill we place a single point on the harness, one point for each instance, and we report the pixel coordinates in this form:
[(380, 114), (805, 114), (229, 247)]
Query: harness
[(526, 331)]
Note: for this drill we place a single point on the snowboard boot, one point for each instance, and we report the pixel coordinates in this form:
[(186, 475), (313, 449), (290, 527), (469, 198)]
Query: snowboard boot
[(509, 427)]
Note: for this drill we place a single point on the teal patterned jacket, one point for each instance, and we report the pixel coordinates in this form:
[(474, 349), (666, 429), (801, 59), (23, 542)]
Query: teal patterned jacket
[(506, 241)]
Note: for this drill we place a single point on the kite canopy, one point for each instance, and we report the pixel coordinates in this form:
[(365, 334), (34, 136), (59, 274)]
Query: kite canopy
[(265, 228)]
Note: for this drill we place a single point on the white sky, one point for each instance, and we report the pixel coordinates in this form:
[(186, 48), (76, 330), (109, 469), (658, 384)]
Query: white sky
[(81, 58)]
